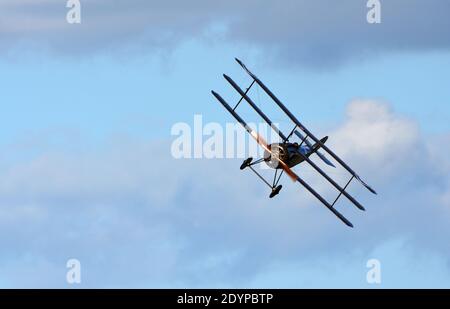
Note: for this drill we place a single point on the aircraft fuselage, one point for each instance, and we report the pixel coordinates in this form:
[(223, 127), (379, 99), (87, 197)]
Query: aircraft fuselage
[(289, 153)]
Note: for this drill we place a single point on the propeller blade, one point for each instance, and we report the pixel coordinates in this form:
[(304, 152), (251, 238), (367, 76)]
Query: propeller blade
[(284, 166)]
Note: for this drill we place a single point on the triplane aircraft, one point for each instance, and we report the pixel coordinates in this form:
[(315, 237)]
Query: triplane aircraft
[(284, 155)]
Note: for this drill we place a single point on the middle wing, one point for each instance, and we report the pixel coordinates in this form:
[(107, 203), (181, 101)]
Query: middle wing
[(288, 171)]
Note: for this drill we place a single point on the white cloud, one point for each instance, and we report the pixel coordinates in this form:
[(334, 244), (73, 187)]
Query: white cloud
[(378, 137)]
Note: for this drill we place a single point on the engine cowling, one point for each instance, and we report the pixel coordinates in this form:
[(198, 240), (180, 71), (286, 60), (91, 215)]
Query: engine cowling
[(278, 152)]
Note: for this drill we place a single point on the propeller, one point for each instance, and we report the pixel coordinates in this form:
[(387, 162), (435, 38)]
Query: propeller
[(264, 145)]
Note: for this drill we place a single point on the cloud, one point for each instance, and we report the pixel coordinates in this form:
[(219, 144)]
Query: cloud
[(383, 138), (318, 34), (134, 217), (147, 25), (324, 34)]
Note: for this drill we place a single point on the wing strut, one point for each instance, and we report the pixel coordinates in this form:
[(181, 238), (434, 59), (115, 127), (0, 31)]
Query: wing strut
[(253, 105)]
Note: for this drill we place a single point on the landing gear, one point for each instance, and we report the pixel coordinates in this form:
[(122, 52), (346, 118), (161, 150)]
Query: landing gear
[(246, 163), (274, 187), (275, 191)]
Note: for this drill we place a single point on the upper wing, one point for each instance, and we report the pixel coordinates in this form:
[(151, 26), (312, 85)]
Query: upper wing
[(303, 128), (254, 106)]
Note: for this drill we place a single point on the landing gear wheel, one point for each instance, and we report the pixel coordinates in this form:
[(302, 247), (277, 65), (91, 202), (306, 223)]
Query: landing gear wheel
[(275, 191), (246, 163)]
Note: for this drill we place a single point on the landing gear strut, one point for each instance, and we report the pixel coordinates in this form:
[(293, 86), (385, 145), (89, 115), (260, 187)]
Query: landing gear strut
[(275, 189)]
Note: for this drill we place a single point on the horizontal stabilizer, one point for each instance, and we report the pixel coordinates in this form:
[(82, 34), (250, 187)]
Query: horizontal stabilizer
[(324, 159)]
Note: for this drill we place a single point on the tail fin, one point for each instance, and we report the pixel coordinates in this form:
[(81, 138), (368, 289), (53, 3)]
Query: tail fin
[(316, 146), (315, 149)]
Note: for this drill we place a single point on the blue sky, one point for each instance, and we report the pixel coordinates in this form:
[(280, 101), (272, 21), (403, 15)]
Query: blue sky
[(101, 94), (85, 155)]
